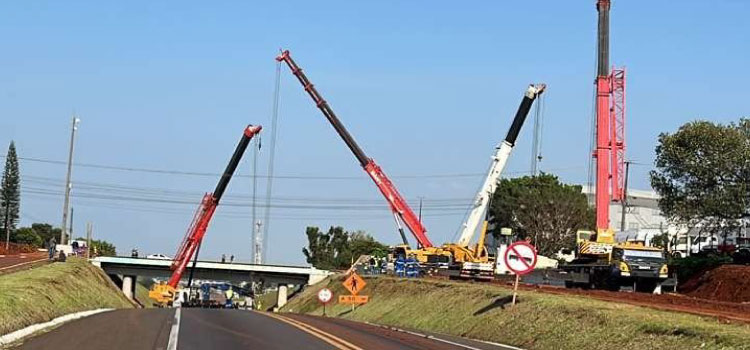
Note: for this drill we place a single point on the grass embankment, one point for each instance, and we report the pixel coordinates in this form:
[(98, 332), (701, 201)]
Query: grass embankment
[(539, 321), (41, 294)]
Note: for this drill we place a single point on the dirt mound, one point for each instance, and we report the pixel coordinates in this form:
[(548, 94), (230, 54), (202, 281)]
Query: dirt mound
[(725, 283)]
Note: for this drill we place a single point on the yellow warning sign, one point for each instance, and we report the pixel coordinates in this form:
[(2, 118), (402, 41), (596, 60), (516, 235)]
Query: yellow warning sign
[(353, 299), (354, 284)]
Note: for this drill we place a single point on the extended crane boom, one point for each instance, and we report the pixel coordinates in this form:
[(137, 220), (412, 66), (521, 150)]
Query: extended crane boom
[(400, 208), (502, 153), (197, 229)]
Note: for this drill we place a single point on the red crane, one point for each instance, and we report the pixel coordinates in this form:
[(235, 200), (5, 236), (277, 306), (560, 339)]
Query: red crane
[(401, 210), (197, 229), (610, 126)]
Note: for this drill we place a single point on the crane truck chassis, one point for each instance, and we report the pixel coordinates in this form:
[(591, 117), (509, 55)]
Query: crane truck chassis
[(612, 266)]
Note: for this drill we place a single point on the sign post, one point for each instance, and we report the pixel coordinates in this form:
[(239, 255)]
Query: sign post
[(520, 257), (324, 296)]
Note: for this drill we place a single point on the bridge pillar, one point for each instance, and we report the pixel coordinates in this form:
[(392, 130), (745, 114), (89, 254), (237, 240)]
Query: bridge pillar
[(128, 286), (282, 295)]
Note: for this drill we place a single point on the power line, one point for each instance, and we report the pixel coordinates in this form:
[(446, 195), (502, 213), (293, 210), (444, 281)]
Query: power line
[(285, 177)]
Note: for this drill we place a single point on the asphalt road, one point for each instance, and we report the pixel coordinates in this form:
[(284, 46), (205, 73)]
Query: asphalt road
[(194, 329)]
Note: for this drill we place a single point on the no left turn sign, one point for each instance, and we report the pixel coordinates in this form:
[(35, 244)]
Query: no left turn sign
[(325, 295), (520, 257)]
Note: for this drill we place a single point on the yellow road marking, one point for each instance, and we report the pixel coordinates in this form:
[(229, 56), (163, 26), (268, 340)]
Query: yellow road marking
[(327, 337)]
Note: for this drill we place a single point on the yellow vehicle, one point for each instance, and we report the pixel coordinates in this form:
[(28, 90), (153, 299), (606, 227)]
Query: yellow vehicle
[(604, 264)]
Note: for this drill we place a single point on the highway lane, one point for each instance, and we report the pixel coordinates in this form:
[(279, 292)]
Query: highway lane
[(198, 329)]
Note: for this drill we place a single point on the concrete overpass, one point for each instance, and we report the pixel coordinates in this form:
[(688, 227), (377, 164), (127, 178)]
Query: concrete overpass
[(128, 269)]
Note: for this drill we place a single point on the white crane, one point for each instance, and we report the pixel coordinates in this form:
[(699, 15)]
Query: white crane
[(502, 152)]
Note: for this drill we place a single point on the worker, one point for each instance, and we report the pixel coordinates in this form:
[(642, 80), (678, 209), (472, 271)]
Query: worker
[(231, 258), (51, 248), (223, 258), (411, 266), (400, 267)]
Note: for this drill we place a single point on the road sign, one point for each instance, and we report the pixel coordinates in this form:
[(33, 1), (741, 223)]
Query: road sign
[(353, 299), (325, 295), (354, 283), (520, 257)]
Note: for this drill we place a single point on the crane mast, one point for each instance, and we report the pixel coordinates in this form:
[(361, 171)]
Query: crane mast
[(197, 229), (610, 128), (399, 207), (502, 153)]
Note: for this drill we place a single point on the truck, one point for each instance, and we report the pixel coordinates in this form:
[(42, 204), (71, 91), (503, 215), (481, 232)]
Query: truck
[(612, 266)]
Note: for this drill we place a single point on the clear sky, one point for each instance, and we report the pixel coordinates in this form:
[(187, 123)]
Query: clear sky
[(428, 88)]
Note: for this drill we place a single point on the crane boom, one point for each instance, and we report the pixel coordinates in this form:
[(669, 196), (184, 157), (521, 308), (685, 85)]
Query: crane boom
[(397, 203), (502, 152), (205, 212)]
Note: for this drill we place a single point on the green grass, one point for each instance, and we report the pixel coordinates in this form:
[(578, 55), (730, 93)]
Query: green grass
[(41, 294), (539, 321), (141, 294)]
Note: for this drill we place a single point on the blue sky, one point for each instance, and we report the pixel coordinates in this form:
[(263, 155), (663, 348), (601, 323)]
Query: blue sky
[(427, 88)]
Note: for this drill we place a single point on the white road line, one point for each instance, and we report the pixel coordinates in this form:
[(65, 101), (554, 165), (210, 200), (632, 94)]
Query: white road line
[(174, 334)]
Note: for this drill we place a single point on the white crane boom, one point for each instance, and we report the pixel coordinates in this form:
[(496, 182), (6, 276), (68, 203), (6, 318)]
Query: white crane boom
[(502, 152)]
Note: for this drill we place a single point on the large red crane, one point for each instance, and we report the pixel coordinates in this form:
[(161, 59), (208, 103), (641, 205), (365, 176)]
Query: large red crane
[(610, 127), (162, 293), (401, 210)]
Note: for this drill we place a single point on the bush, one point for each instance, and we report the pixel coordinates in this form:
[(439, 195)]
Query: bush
[(687, 267)]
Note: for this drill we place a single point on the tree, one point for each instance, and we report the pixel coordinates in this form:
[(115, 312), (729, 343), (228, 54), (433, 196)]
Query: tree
[(10, 193), (703, 174), (542, 209), (101, 247), (46, 231), (337, 248), (26, 235)]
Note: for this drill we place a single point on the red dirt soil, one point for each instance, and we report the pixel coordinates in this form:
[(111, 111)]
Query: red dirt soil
[(725, 283), (14, 249)]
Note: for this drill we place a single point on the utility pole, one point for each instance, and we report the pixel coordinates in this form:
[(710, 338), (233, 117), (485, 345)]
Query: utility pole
[(89, 227), (625, 197), (68, 185)]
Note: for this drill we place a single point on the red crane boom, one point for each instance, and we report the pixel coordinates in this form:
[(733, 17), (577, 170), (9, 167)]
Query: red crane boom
[(400, 208), (197, 228)]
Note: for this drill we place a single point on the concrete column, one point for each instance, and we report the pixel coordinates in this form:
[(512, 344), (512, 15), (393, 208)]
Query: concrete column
[(128, 286), (282, 295)]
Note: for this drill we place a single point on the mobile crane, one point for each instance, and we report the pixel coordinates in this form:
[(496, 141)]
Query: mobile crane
[(164, 294), (426, 252), (477, 263), (601, 262)]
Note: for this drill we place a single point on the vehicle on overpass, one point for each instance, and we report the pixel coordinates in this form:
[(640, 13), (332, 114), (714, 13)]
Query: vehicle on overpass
[(163, 294), (158, 257)]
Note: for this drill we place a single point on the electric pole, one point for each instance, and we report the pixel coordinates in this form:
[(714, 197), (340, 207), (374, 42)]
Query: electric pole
[(624, 197), (68, 185), (89, 228)]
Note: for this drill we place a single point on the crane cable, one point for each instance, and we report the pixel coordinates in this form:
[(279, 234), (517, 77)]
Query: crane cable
[(271, 156)]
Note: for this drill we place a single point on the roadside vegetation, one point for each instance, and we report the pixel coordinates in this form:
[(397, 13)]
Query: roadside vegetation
[(539, 321), (44, 293)]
